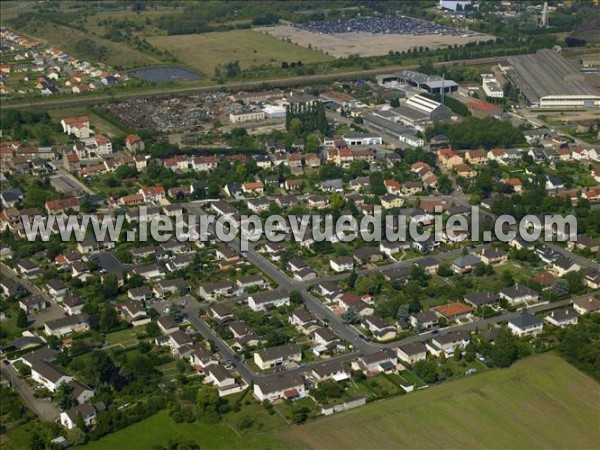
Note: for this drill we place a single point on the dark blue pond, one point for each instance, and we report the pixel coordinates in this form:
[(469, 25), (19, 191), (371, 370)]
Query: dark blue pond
[(165, 74)]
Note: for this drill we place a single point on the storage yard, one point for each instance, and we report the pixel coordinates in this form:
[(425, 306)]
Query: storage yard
[(368, 44)]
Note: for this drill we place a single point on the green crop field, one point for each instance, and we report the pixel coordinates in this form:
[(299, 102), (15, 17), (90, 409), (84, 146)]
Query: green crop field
[(204, 52), (541, 402)]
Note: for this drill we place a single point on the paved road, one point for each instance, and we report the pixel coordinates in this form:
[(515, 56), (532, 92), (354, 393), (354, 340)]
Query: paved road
[(584, 262), (44, 409), (165, 90), (366, 347)]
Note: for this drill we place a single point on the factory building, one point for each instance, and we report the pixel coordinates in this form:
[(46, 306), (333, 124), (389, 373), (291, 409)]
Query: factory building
[(433, 84), (547, 80)]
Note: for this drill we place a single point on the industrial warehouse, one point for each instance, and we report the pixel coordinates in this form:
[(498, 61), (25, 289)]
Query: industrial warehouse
[(547, 80)]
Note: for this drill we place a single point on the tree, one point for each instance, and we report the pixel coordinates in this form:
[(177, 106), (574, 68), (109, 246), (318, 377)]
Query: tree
[(426, 370), (299, 413), (395, 102), (295, 298), (22, 321), (444, 184), (351, 280), (351, 317), (210, 405), (110, 287), (63, 396), (80, 423), (108, 319), (175, 313), (152, 329), (504, 351)]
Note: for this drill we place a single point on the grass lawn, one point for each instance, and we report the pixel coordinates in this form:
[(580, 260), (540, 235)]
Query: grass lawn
[(540, 402), (158, 429), (204, 52), (126, 338), (98, 124)]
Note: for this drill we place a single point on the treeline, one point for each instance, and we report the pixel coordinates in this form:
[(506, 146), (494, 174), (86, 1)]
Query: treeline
[(26, 125), (476, 133), (303, 118), (579, 345)]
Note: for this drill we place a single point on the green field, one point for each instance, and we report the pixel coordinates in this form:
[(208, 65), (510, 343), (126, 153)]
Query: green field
[(204, 52), (541, 402)]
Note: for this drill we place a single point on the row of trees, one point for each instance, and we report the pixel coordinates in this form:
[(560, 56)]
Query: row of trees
[(304, 118)]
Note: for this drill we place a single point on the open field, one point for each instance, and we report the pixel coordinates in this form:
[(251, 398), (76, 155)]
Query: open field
[(118, 54), (344, 44), (204, 52), (541, 402)]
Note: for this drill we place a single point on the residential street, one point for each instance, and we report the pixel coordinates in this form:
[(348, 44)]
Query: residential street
[(45, 409)]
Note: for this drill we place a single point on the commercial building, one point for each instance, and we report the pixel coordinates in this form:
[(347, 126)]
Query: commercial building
[(547, 80), (491, 87), (433, 84), (247, 116)]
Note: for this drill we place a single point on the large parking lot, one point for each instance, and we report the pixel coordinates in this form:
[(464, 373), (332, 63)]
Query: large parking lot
[(368, 44)]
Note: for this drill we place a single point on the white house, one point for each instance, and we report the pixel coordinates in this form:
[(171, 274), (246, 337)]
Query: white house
[(412, 353), (525, 325), (68, 418), (341, 263), (278, 356), (283, 387), (448, 343), (261, 301)]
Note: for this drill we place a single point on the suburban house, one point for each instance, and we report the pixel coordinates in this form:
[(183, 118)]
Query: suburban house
[(261, 301), (493, 256), (586, 305), (481, 299), (525, 325), (465, 264), (412, 353), (448, 343), (69, 418), (66, 325), (519, 294), (212, 291), (167, 324), (302, 319), (56, 289), (282, 387), (220, 313), (32, 304), (382, 361), (222, 379), (278, 356), (335, 371), (381, 330), (73, 305), (562, 317), (341, 263), (201, 358), (140, 293), (134, 312), (424, 320), (453, 311)]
